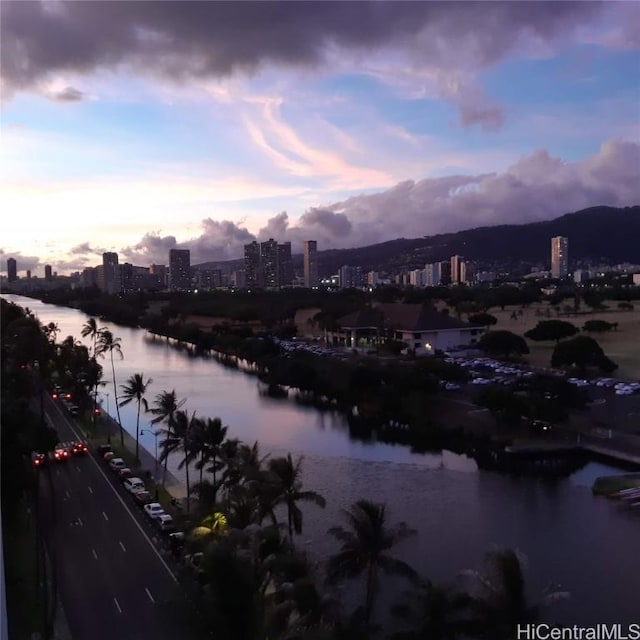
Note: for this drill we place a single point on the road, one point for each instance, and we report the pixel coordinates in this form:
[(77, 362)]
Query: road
[(112, 580)]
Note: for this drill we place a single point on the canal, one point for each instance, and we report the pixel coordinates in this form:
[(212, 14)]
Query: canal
[(585, 544)]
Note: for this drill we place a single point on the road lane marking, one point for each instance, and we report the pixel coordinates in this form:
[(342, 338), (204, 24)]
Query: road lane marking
[(117, 605), (149, 594), (77, 468), (122, 502), (106, 517), (79, 522), (123, 547), (95, 555), (90, 490), (67, 494)]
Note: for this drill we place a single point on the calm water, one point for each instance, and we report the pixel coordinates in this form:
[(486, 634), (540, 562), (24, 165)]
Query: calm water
[(586, 544)]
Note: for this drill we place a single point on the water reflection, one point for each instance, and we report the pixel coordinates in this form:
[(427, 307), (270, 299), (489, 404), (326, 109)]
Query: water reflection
[(585, 543)]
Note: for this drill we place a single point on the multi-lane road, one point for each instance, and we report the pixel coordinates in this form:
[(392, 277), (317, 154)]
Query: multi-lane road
[(112, 579)]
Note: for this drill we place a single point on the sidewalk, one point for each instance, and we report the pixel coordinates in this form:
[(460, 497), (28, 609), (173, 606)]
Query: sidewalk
[(108, 425)]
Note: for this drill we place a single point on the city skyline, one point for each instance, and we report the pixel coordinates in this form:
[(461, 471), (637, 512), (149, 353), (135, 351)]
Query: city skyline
[(364, 128)]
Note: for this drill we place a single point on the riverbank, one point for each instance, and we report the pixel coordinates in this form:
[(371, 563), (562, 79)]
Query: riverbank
[(148, 467)]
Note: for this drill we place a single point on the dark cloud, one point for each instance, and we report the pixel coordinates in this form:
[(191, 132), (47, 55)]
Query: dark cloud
[(152, 249), (23, 263), (220, 240), (537, 187), (180, 40), (68, 94), (84, 249)]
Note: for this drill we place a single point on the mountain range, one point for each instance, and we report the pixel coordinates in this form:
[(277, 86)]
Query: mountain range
[(597, 234)]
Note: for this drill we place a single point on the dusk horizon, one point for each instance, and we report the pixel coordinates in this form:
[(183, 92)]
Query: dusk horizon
[(143, 127)]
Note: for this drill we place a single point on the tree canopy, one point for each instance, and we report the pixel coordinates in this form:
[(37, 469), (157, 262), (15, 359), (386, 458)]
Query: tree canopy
[(552, 330), (503, 343), (582, 352)]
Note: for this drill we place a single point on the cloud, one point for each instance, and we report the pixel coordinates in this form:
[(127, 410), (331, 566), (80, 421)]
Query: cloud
[(537, 187), (67, 94), (84, 249), (181, 41), (23, 263), (152, 249)]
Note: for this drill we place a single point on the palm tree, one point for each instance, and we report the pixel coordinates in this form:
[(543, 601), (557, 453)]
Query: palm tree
[(134, 389), (179, 437), (213, 435), (364, 547), (90, 328), (164, 409), (498, 594), (107, 343), (287, 474)]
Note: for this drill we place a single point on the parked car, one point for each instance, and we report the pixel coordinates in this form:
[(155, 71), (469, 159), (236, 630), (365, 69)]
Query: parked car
[(78, 448), (153, 509), (124, 473), (101, 449), (108, 456), (142, 497), (131, 484), (176, 543), (116, 464), (164, 522)]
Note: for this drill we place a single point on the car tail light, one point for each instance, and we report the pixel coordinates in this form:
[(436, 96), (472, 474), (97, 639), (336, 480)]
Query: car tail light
[(68, 396)]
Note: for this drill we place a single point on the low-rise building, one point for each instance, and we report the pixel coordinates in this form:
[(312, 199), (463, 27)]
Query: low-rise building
[(421, 327)]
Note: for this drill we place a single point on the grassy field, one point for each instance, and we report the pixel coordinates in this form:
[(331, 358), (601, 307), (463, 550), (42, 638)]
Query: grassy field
[(622, 346)]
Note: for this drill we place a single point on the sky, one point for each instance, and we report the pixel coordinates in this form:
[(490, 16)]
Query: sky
[(141, 126)]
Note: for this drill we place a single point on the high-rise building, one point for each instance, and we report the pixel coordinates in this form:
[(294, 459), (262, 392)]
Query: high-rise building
[(559, 257), (252, 264), (111, 272), (432, 274), (310, 263), (350, 277), (47, 272), (179, 269), (285, 265), (269, 263), (445, 272), (158, 274), (12, 270), (458, 270)]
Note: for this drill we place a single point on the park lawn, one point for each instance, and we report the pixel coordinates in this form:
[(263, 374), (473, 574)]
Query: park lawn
[(622, 346)]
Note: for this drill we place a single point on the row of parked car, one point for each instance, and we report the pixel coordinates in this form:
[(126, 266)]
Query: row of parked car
[(136, 488)]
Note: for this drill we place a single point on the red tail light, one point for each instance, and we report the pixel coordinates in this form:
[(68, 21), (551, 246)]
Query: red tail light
[(54, 396)]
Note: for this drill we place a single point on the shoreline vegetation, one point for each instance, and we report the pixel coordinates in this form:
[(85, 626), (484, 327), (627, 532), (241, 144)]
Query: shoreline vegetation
[(243, 567), (386, 398)]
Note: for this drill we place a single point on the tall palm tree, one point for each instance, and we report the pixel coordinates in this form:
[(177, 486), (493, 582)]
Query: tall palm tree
[(364, 547), (107, 343), (499, 598), (288, 478), (134, 389), (90, 328), (214, 435), (164, 409), (179, 437)]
